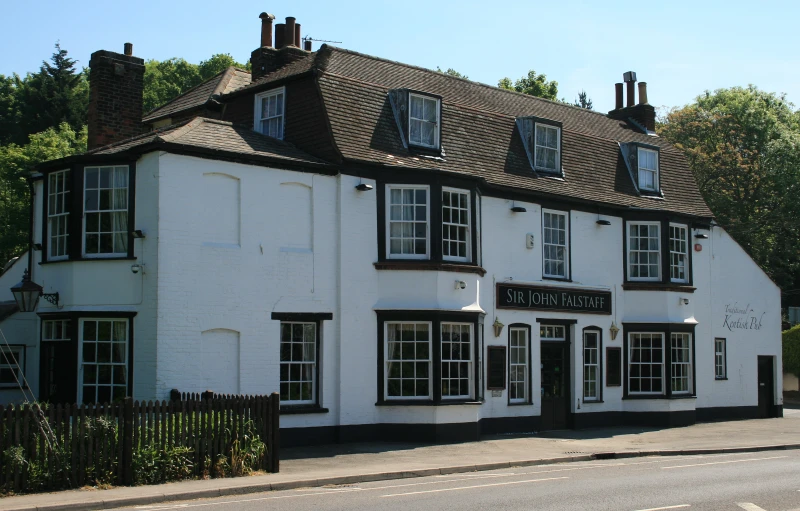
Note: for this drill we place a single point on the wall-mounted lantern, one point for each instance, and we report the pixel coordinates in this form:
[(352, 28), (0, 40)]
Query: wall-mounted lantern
[(498, 327), (614, 330), (27, 294)]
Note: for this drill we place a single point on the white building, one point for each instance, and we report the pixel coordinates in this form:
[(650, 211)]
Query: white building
[(400, 253)]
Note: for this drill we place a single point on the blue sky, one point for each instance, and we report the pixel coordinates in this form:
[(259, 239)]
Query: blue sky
[(679, 48)]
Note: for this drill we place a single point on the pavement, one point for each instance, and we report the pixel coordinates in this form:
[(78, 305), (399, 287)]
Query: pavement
[(364, 462)]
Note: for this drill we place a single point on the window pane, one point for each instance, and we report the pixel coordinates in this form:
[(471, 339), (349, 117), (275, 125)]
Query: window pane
[(298, 373)]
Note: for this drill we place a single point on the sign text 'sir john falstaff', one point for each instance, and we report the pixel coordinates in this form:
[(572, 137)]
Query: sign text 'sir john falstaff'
[(516, 296)]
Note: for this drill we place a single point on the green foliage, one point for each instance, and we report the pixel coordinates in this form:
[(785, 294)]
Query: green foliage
[(16, 164), (533, 85), (791, 350), (583, 101), (743, 146), (452, 72), (152, 465)]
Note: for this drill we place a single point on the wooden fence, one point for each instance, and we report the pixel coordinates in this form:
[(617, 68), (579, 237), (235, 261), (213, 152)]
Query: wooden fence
[(68, 446)]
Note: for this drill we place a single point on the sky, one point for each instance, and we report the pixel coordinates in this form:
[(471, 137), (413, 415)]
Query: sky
[(680, 48)]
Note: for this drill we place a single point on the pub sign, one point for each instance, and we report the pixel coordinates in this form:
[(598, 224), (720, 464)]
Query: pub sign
[(561, 299)]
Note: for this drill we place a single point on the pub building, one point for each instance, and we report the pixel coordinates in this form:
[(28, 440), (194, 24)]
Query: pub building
[(401, 254)]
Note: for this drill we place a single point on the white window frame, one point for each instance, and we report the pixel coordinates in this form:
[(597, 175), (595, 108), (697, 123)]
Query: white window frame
[(18, 352), (523, 350), (592, 364), (653, 171), (720, 358), (453, 225), (677, 253), (389, 221), (113, 211), (565, 246), (628, 226), (49, 329), (631, 363), (258, 114), (559, 332), (436, 124), (54, 233), (124, 364), (536, 146), (684, 365), (386, 361), (301, 363), (470, 363)]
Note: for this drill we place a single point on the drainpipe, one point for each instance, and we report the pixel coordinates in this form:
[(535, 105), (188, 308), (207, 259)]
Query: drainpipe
[(30, 233)]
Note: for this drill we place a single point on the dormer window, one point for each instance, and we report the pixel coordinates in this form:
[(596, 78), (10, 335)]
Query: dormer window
[(648, 170), (547, 145), (423, 120), (269, 112)]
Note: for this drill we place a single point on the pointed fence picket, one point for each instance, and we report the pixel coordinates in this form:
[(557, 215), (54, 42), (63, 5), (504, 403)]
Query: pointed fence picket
[(50, 447)]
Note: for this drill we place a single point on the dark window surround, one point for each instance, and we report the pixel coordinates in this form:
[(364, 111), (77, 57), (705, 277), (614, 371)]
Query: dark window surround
[(435, 184), (599, 331), (616, 374), (657, 191), (423, 149), (568, 262), (307, 317), (75, 222), (665, 284), (724, 358), (436, 318), (528, 327), (11, 386), (666, 329), (492, 352), (554, 124), (74, 318)]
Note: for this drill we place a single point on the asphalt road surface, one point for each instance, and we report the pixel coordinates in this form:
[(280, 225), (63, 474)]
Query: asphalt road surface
[(762, 481)]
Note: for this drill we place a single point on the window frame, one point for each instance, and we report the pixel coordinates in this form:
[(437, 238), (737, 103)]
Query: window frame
[(434, 319), (724, 356), (470, 363), (547, 125), (127, 364), (598, 365), (651, 364), (112, 211), (388, 213), (566, 246), (315, 371), (437, 133), (65, 193), (628, 250), (688, 365), (639, 169), (686, 254), (257, 111), (20, 359), (459, 192), (430, 361), (527, 383), (665, 330)]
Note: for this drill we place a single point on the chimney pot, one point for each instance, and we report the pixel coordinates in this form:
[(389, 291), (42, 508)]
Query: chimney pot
[(307, 45), (266, 29), (288, 35), (297, 35), (618, 95), (630, 76), (642, 93), (280, 32), (129, 49)]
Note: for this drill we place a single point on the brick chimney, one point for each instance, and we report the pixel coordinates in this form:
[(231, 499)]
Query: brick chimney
[(286, 49), (116, 84), (642, 113)]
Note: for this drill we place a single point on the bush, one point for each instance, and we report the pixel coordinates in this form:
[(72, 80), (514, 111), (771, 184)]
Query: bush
[(791, 350)]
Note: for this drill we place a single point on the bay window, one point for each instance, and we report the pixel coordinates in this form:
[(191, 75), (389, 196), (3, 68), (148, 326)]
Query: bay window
[(408, 360), (659, 360), (455, 225), (12, 366), (103, 360), (678, 253), (105, 215), (58, 207)]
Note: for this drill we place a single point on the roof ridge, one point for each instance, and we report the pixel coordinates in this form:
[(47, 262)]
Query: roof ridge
[(449, 77), (224, 81), (155, 134), (187, 91), (181, 130)]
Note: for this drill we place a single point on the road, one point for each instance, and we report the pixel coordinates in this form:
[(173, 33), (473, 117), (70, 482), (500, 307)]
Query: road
[(761, 481)]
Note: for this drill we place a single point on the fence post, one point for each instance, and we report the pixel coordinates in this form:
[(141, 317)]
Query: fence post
[(274, 442), (127, 443)]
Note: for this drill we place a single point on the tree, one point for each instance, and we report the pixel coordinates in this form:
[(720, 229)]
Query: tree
[(533, 85), (16, 163), (584, 101), (743, 146), (452, 72)]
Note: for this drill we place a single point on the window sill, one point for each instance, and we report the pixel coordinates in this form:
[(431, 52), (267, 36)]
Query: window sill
[(557, 279), (721, 379), (411, 402), (302, 409), (658, 286), (520, 404), (596, 401), (680, 396), (429, 266), (81, 259)]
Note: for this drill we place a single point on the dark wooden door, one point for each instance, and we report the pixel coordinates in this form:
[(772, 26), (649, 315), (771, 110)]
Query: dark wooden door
[(766, 384), (58, 376), (555, 386)]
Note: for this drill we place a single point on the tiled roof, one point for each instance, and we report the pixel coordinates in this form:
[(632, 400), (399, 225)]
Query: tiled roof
[(480, 138), (217, 136), (225, 82)]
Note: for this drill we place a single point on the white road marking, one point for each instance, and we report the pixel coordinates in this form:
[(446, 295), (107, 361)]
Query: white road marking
[(748, 506), (476, 486), (665, 507), (723, 462)]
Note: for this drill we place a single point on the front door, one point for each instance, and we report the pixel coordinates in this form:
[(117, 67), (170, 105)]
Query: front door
[(58, 376), (766, 384), (555, 389)]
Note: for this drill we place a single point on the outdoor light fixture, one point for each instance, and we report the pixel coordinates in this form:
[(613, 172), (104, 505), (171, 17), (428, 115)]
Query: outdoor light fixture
[(363, 187), (37, 246), (614, 330), (701, 236), (498, 327), (138, 233), (517, 209), (27, 294), (603, 222)]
